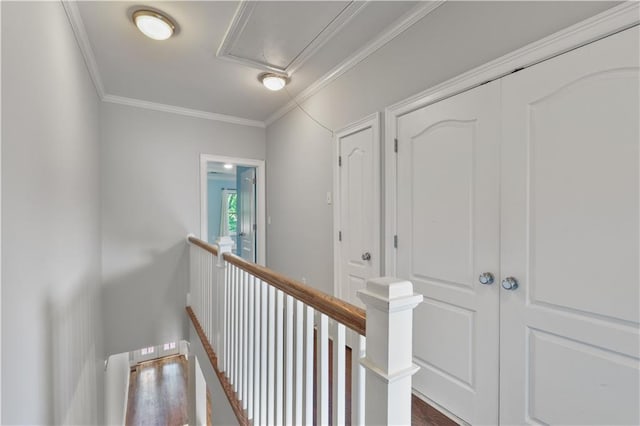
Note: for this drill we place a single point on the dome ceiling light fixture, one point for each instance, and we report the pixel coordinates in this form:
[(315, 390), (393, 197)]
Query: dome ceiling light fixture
[(273, 81), (154, 25)]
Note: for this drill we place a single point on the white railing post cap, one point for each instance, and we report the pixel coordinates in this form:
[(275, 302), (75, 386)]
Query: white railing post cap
[(389, 294), (225, 245)]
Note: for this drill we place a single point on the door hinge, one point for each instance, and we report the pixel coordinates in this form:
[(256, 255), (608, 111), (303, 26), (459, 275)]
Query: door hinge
[(395, 241), (339, 235), (340, 161), (395, 145), (255, 227), (253, 180)]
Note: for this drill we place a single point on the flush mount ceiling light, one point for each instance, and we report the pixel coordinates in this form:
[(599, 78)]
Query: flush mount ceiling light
[(273, 81), (153, 24)]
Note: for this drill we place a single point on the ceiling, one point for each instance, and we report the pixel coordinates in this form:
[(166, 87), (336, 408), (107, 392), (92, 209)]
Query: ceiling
[(212, 63)]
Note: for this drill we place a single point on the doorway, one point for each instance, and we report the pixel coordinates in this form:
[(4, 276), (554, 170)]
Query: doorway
[(233, 204)]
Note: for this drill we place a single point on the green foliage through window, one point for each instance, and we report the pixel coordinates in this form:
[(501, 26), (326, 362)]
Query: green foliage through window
[(232, 212)]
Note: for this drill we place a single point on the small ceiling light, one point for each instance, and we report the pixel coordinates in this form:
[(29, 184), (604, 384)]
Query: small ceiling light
[(273, 81), (228, 166), (153, 24)]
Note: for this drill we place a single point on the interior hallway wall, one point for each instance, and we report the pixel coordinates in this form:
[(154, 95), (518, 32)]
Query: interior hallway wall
[(150, 202), (455, 38), (52, 369)]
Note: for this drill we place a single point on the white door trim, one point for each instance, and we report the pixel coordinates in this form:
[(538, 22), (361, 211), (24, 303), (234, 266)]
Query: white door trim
[(371, 121), (0, 216), (613, 20), (261, 228)]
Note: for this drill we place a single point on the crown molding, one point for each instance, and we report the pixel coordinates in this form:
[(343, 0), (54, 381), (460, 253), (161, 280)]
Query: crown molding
[(75, 19), (77, 25), (401, 25), (121, 100)]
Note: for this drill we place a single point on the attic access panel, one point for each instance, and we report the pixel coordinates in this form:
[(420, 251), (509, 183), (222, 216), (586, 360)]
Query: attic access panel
[(281, 35)]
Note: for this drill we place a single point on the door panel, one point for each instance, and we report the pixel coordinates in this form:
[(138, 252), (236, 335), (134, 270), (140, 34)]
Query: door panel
[(570, 236), (448, 235), (359, 210)]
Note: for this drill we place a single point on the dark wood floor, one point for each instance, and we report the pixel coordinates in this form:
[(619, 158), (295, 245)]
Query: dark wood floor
[(158, 393)]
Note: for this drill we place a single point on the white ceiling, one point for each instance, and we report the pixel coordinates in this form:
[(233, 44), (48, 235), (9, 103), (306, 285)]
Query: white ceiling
[(185, 72)]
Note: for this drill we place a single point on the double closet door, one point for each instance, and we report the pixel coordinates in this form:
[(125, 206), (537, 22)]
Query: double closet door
[(518, 220)]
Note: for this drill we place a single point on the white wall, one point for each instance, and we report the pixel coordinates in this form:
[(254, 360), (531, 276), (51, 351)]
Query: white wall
[(150, 202), (51, 342), (455, 38)]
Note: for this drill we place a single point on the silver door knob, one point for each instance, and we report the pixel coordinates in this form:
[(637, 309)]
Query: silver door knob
[(366, 256), (510, 283), (486, 278)]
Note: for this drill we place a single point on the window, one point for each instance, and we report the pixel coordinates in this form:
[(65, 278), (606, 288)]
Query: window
[(169, 346), (232, 212), (147, 351), (229, 213)]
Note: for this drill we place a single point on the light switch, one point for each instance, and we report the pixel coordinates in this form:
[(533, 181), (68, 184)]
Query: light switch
[(329, 198)]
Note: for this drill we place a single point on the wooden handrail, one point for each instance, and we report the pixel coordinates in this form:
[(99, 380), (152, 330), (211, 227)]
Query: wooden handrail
[(337, 309), (203, 245)]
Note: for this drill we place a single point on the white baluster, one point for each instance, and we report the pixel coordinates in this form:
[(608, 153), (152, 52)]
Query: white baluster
[(323, 370), (250, 347), (390, 303), (264, 312), (234, 330), (207, 298), (225, 245), (242, 392), (298, 392), (339, 372), (227, 319), (279, 355), (258, 353), (245, 339), (272, 352), (239, 332), (309, 339), (357, 380), (288, 370)]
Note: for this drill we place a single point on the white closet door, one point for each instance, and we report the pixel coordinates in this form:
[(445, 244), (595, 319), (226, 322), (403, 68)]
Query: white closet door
[(448, 218), (570, 234)]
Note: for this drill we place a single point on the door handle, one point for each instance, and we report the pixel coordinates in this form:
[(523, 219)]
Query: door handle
[(486, 278), (366, 256), (510, 283)]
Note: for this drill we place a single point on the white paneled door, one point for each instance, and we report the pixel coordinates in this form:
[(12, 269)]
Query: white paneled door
[(447, 225), (358, 208), (570, 237)]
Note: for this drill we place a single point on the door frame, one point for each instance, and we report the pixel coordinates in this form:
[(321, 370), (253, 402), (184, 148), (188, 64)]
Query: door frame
[(261, 229), (371, 121), (613, 20)]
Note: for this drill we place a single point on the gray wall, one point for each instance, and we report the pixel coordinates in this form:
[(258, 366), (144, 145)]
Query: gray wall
[(51, 342), (455, 38), (150, 202)]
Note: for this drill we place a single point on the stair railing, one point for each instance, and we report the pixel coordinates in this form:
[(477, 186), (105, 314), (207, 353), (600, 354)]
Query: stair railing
[(274, 342)]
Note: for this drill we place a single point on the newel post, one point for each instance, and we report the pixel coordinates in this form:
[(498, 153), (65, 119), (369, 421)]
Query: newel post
[(388, 361), (225, 245)]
